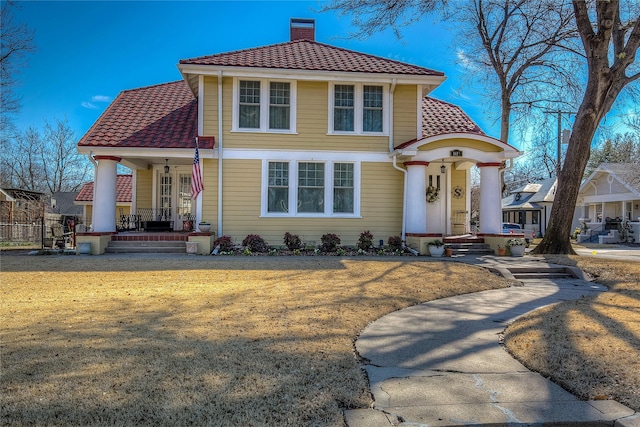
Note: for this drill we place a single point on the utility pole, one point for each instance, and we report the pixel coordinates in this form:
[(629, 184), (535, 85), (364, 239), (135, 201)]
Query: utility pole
[(559, 113)]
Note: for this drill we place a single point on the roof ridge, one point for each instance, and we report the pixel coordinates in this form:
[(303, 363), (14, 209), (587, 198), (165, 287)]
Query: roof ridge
[(152, 86)]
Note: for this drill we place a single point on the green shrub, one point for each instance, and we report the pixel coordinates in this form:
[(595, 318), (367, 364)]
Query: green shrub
[(292, 241), (225, 242), (330, 242), (255, 243), (365, 242), (395, 243)]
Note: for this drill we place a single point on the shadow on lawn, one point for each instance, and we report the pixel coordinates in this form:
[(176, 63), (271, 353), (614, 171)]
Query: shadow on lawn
[(589, 346), (154, 368)]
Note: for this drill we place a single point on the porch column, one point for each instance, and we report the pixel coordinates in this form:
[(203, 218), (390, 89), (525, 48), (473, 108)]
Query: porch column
[(490, 198), (416, 197), (104, 194)]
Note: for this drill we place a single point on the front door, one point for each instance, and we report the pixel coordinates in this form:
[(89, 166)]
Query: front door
[(174, 201), (437, 201)]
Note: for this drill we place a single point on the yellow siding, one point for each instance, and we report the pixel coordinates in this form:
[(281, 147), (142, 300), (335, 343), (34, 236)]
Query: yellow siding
[(311, 124), (144, 190), (210, 101), (381, 207), (405, 100), (461, 143), (210, 193)]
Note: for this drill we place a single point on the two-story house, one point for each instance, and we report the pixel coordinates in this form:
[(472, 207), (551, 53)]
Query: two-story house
[(298, 137)]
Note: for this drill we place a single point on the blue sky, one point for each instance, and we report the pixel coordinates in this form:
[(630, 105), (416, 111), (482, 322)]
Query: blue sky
[(88, 51)]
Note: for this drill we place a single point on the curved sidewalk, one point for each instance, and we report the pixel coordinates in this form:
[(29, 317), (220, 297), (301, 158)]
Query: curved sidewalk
[(441, 363)]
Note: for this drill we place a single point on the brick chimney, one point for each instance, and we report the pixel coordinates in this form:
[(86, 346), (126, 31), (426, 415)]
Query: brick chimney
[(303, 29)]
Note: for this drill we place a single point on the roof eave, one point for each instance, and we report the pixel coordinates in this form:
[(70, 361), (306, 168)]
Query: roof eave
[(319, 75)]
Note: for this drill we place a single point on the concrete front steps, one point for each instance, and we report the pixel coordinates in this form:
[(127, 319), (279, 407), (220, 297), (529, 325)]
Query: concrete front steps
[(468, 245), (148, 243), (539, 272)]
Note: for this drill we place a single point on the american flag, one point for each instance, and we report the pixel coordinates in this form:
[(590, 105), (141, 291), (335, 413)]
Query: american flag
[(196, 176)]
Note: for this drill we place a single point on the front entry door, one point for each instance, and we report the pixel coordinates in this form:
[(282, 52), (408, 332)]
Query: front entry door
[(436, 206), (174, 198)]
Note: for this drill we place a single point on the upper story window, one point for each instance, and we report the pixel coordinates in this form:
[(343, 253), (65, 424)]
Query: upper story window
[(264, 106), (357, 109)]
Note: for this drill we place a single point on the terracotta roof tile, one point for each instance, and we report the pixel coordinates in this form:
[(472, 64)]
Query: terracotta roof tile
[(124, 186), (310, 56), (160, 116), (439, 117)]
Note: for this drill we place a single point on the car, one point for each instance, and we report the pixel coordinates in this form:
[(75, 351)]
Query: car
[(514, 228)]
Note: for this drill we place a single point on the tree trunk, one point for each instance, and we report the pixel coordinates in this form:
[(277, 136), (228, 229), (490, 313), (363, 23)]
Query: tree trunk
[(604, 84)]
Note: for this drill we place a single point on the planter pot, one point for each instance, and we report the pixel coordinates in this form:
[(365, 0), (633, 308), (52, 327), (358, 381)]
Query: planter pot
[(448, 252), (502, 251), (204, 227), (517, 250), (84, 248), (436, 251), (192, 247)]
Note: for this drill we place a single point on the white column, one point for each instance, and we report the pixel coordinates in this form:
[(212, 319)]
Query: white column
[(416, 198), (490, 198), (104, 194)]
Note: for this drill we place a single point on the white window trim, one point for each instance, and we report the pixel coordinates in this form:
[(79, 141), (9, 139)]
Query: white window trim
[(359, 109), (293, 190), (264, 106)]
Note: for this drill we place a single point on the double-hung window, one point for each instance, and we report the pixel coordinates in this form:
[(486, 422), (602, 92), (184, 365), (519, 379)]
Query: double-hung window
[(305, 188), (357, 109), (263, 105)]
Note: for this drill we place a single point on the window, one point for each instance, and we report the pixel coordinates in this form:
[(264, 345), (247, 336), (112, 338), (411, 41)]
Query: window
[(278, 198), (343, 188), (279, 97), (372, 109), (357, 109), (249, 104), (343, 112), (311, 187), (264, 106), (535, 217), (320, 188)]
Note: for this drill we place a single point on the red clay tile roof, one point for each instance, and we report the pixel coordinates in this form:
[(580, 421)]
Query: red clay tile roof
[(160, 116), (124, 185), (440, 118), (313, 56)]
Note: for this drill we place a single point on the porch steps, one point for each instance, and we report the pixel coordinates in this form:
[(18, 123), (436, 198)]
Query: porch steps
[(470, 248), (146, 246), (538, 272)]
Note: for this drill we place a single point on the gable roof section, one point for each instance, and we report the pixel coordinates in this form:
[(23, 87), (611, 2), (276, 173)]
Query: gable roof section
[(124, 194), (310, 56), (159, 116), (439, 117), (628, 174)]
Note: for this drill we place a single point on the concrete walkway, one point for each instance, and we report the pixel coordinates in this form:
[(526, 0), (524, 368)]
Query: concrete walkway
[(441, 363)]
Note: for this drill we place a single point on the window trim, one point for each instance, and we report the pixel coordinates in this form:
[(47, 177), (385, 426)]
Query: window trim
[(293, 190), (359, 109), (264, 105)]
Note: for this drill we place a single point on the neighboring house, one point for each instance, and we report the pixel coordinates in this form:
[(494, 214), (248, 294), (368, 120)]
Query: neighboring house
[(63, 203), (609, 196), (21, 206), (298, 137), (530, 205), (124, 186)]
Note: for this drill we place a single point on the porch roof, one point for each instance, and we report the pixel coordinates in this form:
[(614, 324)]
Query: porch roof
[(159, 116), (124, 186)]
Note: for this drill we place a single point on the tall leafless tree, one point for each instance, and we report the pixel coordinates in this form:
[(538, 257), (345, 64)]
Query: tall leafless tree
[(47, 162), (610, 46), (16, 42)]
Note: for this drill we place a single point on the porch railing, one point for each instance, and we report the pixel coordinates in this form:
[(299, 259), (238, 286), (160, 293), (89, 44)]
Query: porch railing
[(149, 219)]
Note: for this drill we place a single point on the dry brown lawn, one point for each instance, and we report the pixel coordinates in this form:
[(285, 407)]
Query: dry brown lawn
[(238, 341), (589, 346)]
